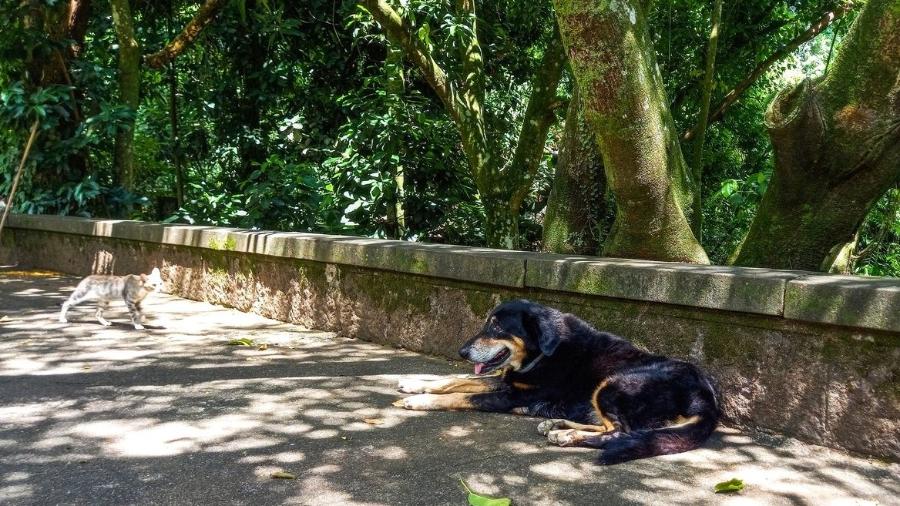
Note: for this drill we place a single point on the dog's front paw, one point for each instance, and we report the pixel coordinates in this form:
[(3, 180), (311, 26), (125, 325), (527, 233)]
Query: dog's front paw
[(421, 402), (412, 386), (138, 326), (546, 426), (564, 437), (63, 320)]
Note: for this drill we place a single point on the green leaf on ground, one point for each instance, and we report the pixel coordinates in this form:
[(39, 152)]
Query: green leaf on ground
[(283, 475), (732, 485), (241, 342), (481, 500)]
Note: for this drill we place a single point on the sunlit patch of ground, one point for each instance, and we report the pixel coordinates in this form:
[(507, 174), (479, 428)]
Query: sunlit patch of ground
[(173, 415), (31, 273)]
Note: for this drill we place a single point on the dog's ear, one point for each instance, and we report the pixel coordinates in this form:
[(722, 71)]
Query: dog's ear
[(539, 324)]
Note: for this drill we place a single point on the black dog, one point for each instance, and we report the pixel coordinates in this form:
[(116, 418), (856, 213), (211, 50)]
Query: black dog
[(598, 389)]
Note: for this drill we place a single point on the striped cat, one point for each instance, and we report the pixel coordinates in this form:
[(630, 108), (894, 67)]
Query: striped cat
[(131, 288)]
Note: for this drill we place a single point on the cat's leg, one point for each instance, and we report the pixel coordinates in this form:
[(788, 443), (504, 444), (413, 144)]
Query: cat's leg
[(73, 300), (140, 310), (101, 306), (136, 316), (64, 310)]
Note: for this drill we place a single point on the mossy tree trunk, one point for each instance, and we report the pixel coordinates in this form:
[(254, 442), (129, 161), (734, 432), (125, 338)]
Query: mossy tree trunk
[(837, 149), (614, 63), (577, 203), (129, 90), (501, 186)]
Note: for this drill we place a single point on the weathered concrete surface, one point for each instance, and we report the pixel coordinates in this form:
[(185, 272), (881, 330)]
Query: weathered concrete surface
[(742, 289), (93, 415), (482, 265), (845, 300), (832, 385)]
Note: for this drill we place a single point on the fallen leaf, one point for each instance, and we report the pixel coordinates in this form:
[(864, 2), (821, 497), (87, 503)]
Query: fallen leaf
[(373, 421), (483, 500), (732, 485), (283, 475), (263, 347), (241, 342)]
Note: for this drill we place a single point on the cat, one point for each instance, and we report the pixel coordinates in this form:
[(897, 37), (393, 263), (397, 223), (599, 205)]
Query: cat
[(131, 288)]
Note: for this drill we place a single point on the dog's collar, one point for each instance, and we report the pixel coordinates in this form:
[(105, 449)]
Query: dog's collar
[(531, 365)]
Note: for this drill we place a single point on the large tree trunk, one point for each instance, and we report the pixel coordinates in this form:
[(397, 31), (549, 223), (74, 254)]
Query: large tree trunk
[(129, 90), (577, 202), (614, 63), (837, 149)]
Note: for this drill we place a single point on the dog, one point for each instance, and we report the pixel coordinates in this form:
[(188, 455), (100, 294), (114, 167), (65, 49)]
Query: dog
[(597, 389)]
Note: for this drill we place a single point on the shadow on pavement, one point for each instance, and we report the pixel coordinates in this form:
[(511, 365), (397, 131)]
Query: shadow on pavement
[(94, 415)]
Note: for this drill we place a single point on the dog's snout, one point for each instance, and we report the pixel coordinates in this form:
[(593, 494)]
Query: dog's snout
[(465, 350)]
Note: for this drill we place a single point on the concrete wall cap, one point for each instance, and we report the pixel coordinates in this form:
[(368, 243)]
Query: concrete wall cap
[(872, 303)]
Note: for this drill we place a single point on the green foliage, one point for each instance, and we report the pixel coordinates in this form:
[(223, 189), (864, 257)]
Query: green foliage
[(877, 251), (295, 116)]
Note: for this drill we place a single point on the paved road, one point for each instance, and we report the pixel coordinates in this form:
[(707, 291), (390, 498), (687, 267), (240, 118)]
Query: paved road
[(172, 415)]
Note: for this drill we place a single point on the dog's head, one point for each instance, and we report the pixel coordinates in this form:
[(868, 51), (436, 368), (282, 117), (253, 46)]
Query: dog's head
[(514, 335)]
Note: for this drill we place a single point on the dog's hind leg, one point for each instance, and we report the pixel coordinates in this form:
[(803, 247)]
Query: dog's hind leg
[(548, 426), (586, 438), (468, 385)]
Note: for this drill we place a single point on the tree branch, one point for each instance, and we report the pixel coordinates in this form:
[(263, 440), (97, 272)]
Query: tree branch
[(732, 96), (473, 65), (539, 115), (183, 40), (400, 33), (696, 162), (76, 25)]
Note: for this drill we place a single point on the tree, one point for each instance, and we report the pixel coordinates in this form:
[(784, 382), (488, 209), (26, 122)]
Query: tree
[(129, 77), (614, 64), (129, 73), (63, 28), (697, 151), (576, 207), (780, 54), (502, 187), (837, 149)]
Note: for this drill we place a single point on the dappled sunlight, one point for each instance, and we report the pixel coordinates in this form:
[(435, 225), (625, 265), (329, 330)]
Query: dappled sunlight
[(115, 414)]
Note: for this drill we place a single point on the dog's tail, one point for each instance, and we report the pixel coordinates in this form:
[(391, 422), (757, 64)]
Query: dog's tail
[(681, 437)]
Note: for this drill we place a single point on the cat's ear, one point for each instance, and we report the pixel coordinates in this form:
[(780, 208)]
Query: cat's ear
[(143, 277), (155, 272)]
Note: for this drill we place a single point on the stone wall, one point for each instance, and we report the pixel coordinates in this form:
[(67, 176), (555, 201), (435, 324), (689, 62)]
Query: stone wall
[(809, 355)]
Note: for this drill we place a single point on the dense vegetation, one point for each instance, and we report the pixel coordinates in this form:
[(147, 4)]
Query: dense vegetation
[(451, 120)]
